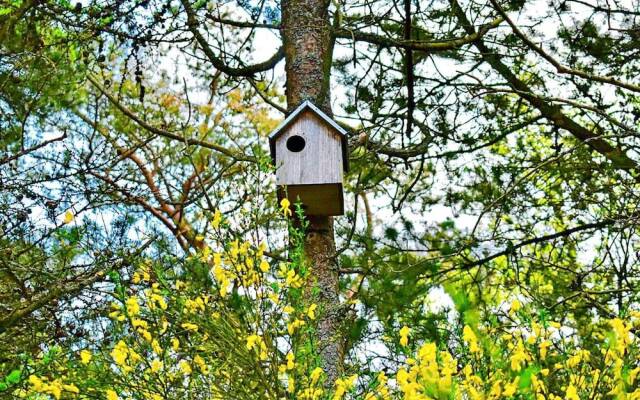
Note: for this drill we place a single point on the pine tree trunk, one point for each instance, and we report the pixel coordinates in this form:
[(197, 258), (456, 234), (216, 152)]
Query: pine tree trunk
[(308, 48), (320, 253)]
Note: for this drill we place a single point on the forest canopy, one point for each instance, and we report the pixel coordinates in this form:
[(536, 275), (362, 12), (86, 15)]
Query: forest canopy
[(488, 248)]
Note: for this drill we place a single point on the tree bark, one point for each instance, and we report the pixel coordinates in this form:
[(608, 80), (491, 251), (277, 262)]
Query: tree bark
[(320, 254), (308, 49)]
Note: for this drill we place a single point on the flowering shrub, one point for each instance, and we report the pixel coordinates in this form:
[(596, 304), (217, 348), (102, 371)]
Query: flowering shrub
[(230, 324)]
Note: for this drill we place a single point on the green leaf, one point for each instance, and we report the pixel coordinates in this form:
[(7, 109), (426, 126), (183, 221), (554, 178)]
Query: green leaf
[(525, 376), (3, 386), (14, 376)]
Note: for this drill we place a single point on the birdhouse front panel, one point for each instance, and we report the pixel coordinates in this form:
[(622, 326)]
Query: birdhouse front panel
[(308, 152)]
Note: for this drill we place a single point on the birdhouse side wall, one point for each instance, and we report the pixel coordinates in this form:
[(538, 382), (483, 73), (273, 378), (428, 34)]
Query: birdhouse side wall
[(319, 162)]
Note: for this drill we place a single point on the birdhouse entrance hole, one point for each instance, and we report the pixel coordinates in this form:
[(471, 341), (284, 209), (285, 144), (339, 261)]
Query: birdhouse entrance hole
[(296, 143)]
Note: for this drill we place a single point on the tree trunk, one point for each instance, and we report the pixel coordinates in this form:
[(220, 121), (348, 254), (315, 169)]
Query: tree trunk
[(320, 253), (308, 48)]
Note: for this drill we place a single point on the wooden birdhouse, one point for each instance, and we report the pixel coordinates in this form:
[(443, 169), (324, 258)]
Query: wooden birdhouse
[(309, 150)]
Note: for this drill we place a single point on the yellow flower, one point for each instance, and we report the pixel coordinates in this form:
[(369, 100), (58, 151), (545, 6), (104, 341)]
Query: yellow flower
[(511, 388), (315, 375), (311, 311), (111, 395), (175, 344), (264, 266), (120, 353), (190, 327), (284, 206), (469, 336), (519, 358), (85, 356), (37, 383), (515, 307), (496, 390), (251, 341), (544, 346), (71, 388), (571, 393), (133, 308), (185, 367), (291, 385), (145, 334), (199, 361), (156, 365), (68, 217), (295, 324), (404, 335), (291, 361), (217, 218), (343, 386)]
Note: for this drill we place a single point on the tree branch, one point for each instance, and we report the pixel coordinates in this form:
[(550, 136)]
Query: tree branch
[(249, 70), (553, 113), (418, 45), (512, 249), (559, 67), (71, 286), (167, 134)]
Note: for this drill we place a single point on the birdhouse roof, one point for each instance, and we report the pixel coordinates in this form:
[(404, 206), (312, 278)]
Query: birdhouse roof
[(307, 105)]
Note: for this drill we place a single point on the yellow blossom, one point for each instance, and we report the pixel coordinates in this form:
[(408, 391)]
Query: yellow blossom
[(133, 308), (571, 393), (544, 346), (111, 395), (185, 367), (199, 361), (71, 388), (511, 388), (294, 325), (156, 365), (85, 356), (291, 384), (120, 353), (36, 383), (469, 336), (343, 386), (217, 218), (284, 206), (311, 311), (404, 335), (515, 306), (68, 217), (315, 375), (189, 326)]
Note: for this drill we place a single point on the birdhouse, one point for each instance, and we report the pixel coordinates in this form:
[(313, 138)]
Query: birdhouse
[(309, 150)]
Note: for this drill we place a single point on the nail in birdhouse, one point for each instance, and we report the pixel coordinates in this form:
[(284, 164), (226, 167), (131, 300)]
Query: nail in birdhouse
[(309, 150)]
